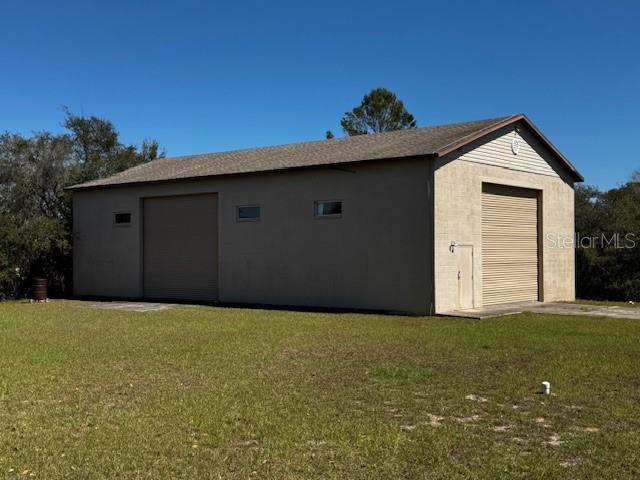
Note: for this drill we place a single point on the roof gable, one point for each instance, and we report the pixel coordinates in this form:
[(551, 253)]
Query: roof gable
[(505, 122)]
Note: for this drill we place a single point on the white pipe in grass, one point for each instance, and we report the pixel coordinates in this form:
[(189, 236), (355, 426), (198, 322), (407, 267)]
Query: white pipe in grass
[(546, 388)]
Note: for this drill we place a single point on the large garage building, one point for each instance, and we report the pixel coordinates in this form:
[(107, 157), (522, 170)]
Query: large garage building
[(419, 221)]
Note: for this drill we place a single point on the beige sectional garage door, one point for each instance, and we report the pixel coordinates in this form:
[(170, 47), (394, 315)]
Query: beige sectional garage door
[(509, 244), (180, 248)]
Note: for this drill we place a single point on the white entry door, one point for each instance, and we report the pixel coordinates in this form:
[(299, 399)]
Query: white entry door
[(464, 263)]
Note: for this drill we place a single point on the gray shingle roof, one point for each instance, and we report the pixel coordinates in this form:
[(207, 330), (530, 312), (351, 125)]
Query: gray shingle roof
[(398, 144)]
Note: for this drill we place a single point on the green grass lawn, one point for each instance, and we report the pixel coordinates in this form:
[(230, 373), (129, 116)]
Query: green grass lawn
[(199, 392)]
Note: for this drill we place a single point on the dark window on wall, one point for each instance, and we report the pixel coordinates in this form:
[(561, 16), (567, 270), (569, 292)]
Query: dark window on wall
[(122, 219), (328, 209), (248, 213)]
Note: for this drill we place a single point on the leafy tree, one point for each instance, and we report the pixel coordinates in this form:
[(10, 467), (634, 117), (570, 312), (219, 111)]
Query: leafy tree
[(588, 224), (97, 151), (588, 209), (329, 135), (608, 254), (35, 210), (34, 216), (150, 150), (380, 111)]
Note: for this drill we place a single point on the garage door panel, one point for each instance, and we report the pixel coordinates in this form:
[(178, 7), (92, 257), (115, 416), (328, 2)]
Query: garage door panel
[(180, 247), (508, 259), (509, 244)]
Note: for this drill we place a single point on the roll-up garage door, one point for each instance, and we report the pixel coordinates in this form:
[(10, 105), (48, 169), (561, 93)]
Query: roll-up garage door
[(509, 244), (180, 247)]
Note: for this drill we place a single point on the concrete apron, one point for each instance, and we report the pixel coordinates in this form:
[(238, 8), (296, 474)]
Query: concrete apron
[(129, 306), (556, 308)]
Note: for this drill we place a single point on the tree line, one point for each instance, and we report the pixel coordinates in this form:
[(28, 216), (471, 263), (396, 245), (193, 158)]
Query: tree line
[(608, 241), (35, 209)]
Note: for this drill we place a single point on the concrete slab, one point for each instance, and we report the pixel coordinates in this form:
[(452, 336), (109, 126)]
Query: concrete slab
[(493, 311), (129, 306), (589, 310), (556, 308)]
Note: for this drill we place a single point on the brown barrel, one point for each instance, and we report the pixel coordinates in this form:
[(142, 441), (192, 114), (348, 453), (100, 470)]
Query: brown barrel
[(39, 289)]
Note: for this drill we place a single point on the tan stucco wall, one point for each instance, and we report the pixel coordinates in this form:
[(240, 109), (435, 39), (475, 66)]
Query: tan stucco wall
[(377, 256), (458, 182)]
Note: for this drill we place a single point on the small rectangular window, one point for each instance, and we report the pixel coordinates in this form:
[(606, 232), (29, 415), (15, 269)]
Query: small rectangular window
[(122, 219), (248, 213), (331, 208)]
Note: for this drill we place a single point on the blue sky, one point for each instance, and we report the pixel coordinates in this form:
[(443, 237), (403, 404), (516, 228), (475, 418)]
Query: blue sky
[(205, 76)]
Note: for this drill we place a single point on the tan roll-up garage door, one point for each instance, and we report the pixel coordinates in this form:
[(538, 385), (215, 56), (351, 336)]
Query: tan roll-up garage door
[(180, 247), (509, 244)]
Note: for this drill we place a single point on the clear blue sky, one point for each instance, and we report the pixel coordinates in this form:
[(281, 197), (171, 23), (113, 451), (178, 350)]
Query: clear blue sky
[(204, 76)]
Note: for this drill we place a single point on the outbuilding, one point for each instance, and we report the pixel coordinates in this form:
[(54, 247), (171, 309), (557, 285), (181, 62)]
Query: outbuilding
[(420, 221)]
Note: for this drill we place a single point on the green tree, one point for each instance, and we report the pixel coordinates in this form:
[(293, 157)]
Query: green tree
[(608, 254), (150, 150), (35, 210), (379, 111), (97, 151), (34, 216), (588, 225)]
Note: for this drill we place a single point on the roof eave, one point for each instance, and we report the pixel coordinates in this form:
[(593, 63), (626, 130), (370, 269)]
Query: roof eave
[(84, 186)]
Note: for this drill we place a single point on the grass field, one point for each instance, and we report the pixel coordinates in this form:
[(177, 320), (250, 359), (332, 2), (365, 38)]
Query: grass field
[(198, 392)]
